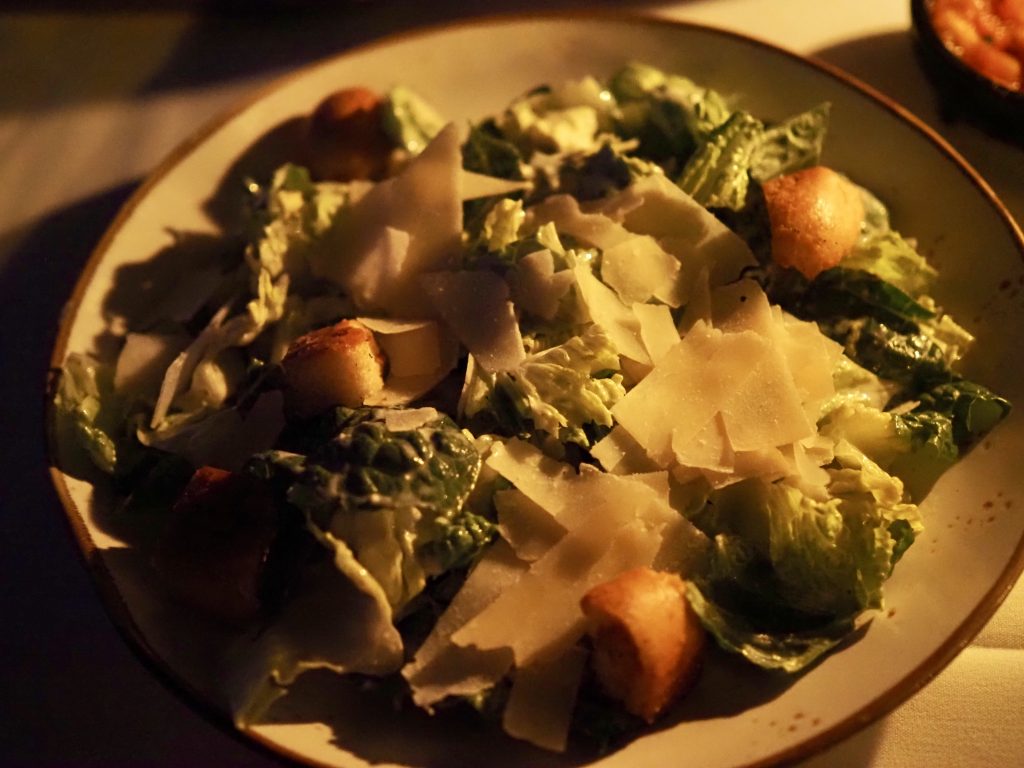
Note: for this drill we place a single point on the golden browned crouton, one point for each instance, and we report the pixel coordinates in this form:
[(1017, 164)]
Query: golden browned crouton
[(337, 365), (647, 641), (346, 140), (815, 217)]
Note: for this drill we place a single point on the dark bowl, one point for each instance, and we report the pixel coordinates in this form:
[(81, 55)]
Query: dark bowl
[(965, 92)]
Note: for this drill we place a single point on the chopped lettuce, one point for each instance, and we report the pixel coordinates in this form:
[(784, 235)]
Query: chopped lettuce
[(566, 391), (409, 120), (789, 575), (88, 407), (718, 174), (915, 447), (667, 113), (393, 497), (792, 145), (973, 410), (288, 218), (890, 257)]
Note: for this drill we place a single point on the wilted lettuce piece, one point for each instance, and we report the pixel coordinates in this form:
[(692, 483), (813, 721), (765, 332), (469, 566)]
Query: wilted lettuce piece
[(667, 113), (857, 385), (718, 173), (789, 574), (338, 619), (636, 81), (844, 292), (973, 409), (890, 257), (916, 447), (287, 218), (593, 176), (792, 145), (566, 391), (913, 359), (409, 120), (394, 497), (88, 408), (487, 153)]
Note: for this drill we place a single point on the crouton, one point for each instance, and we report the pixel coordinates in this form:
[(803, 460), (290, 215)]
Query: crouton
[(647, 641), (346, 139), (212, 554), (815, 216), (337, 365)]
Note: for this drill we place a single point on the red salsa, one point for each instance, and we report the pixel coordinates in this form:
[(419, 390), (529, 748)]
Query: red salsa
[(987, 35)]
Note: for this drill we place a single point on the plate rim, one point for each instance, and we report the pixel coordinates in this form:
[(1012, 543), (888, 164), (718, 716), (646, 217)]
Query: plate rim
[(113, 600)]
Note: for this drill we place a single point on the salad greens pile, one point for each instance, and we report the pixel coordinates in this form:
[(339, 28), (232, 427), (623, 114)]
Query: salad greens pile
[(570, 297)]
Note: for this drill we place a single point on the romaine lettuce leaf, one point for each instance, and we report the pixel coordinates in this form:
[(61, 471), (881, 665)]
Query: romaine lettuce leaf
[(409, 120), (718, 174), (792, 145), (789, 575), (393, 497), (94, 416), (890, 257), (566, 391)]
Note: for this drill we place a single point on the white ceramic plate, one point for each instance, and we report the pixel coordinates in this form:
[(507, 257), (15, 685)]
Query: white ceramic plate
[(944, 590)]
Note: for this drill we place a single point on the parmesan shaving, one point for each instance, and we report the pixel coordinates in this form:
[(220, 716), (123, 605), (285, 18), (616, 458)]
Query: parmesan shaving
[(542, 700), (475, 305), (608, 311), (423, 201), (441, 669), (731, 401), (544, 603), (535, 285), (420, 353)]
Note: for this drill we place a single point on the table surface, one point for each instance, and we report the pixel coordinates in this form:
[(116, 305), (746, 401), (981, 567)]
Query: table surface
[(89, 103)]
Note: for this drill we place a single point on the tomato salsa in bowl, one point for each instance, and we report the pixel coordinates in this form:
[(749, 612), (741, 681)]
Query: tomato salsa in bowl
[(974, 52)]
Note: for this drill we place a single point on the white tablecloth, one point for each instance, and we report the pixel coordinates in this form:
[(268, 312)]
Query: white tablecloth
[(88, 104)]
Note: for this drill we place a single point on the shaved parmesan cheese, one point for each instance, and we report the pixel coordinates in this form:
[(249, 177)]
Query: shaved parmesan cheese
[(639, 269), (412, 347), (375, 276), (765, 410), (655, 206), (731, 401), (477, 185), (526, 525), (440, 668), (475, 305), (636, 266), (542, 700), (681, 394), (535, 285), (591, 228), (619, 453), (612, 523), (540, 478), (707, 449), (420, 353), (657, 330), (544, 603), (424, 201), (606, 309), (408, 418)]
